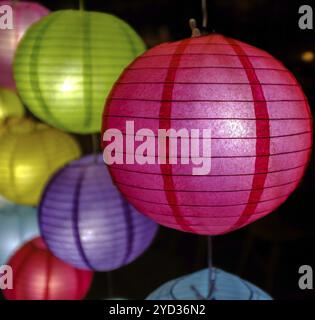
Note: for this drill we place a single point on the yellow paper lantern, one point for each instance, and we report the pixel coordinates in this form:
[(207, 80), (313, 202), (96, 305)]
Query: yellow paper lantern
[(30, 153), (67, 63), (10, 104)]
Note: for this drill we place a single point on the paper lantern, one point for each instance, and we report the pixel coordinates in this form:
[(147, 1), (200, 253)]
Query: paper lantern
[(30, 153), (260, 123), (67, 64), (10, 104), (196, 287), (24, 15), (3, 202), (18, 224), (86, 222), (38, 275)]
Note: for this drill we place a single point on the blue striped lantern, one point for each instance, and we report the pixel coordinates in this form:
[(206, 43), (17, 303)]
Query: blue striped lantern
[(196, 287)]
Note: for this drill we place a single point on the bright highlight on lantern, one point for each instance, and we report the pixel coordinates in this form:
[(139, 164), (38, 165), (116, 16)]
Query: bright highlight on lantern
[(68, 85)]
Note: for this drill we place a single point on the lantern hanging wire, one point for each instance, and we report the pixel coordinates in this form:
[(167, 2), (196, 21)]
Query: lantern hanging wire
[(94, 147), (81, 5), (212, 275), (196, 32), (204, 14)]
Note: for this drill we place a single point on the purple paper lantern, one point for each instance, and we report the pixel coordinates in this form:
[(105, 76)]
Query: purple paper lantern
[(24, 15), (86, 222)]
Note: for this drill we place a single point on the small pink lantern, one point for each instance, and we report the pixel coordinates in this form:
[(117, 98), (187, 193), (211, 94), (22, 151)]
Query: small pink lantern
[(261, 133), (24, 15)]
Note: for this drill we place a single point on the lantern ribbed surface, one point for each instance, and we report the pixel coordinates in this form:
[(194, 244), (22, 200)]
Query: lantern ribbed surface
[(24, 15), (10, 104), (18, 224), (85, 221), (196, 287), (38, 275), (31, 152), (261, 132), (67, 63)]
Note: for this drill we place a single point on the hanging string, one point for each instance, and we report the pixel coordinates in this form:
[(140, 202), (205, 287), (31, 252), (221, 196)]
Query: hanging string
[(94, 146), (193, 24), (81, 5), (204, 14), (212, 275)]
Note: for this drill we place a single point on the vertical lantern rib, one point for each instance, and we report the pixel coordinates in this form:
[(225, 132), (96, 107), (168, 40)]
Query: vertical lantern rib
[(87, 77), (129, 39), (18, 268), (78, 284), (48, 272), (262, 130), (75, 220), (34, 65), (165, 123)]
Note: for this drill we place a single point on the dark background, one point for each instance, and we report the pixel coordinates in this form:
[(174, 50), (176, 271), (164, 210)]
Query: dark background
[(270, 251)]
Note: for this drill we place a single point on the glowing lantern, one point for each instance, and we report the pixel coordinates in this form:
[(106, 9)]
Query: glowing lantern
[(85, 221), (67, 64), (24, 15), (196, 287), (10, 104), (41, 276), (18, 225), (3, 202), (260, 125), (30, 153)]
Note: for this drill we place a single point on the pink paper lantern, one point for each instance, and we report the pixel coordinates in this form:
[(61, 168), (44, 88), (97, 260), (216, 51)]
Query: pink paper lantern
[(259, 119), (24, 15)]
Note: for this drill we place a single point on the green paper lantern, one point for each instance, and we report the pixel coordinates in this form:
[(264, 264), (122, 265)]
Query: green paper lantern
[(67, 63)]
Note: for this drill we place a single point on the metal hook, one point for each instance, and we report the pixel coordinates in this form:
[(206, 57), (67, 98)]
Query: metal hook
[(193, 26)]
